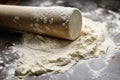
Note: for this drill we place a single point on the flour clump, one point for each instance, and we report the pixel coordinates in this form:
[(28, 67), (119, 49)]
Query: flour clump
[(41, 54)]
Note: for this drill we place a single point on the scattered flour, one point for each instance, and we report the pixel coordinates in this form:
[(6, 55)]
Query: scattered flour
[(117, 46), (17, 18), (41, 54), (46, 4)]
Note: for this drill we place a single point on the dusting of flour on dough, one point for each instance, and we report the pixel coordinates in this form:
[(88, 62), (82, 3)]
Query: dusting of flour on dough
[(41, 54)]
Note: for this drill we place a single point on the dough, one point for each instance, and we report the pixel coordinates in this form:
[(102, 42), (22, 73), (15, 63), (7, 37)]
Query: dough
[(41, 54)]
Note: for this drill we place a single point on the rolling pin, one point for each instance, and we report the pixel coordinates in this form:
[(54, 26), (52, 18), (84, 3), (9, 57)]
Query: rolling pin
[(60, 22)]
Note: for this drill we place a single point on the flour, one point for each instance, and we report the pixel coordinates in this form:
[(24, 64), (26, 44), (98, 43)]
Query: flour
[(46, 4), (117, 46), (63, 13), (17, 18), (41, 54)]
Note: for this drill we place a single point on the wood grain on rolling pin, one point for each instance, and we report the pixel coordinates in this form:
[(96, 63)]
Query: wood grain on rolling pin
[(61, 22)]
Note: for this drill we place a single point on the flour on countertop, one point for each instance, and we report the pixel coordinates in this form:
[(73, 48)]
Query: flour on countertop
[(41, 54), (46, 4), (117, 46)]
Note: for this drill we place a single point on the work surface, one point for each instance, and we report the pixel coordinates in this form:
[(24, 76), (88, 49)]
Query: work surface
[(106, 67)]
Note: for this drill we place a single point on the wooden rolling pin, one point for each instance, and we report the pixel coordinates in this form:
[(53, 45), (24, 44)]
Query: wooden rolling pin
[(61, 22)]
